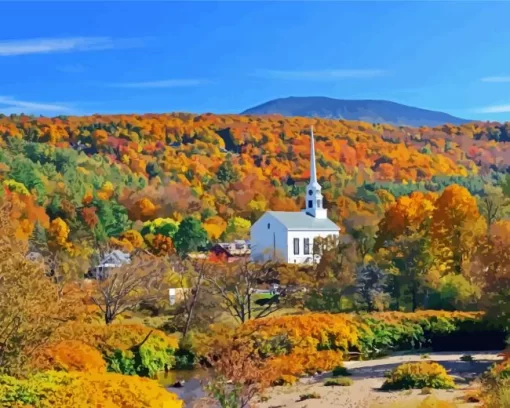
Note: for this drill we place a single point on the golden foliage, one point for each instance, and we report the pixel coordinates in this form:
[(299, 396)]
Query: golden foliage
[(69, 355), (31, 309), (85, 390), (418, 375)]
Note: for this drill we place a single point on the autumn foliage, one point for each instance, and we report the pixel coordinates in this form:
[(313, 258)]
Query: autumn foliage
[(70, 355), (84, 390)]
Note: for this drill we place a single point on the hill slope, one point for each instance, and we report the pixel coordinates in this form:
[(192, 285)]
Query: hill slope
[(372, 111), (96, 178)]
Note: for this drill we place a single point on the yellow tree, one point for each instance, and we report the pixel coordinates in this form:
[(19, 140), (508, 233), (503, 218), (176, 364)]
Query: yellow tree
[(456, 227), (30, 308)]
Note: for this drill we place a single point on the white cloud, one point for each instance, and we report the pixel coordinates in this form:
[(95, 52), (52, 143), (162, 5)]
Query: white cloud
[(166, 83), (321, 75), (493, 109), (52, 45), (12, 105), (496, 79)]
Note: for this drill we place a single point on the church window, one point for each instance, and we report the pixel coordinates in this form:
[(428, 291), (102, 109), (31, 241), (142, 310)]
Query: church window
[(310, 192), (310, 203), (306, 246), (318, 203), (268, 225), (296, 246)]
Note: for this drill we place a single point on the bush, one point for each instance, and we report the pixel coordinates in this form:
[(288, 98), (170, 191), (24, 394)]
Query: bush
[(496, 384), (342, 382), (340, 372), (317, 342), (128, 350), (418, 375), (69, 355), (82, 390), (313, 395), (467, 358), (285, 380)]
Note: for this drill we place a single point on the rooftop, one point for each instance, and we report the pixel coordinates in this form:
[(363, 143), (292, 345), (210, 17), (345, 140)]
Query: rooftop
[(294, 220)]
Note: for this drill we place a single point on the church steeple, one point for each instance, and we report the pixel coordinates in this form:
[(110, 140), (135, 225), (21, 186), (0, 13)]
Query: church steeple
[(313, 199), (313, 170)]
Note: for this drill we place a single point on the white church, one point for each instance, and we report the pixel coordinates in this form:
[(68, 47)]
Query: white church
[(288, 236)]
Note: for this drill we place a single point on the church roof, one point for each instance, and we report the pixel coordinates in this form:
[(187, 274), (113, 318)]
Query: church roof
[(302, 221)]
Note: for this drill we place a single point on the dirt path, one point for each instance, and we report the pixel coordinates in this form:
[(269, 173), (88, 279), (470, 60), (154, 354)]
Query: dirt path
[(368, 377)]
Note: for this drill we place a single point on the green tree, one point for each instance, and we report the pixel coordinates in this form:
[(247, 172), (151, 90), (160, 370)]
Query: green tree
[(191, 236), (226, 172)]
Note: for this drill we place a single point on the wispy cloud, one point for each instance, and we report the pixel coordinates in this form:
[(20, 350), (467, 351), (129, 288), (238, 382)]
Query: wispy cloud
[(11, 48), (493, 109), (10, 105), (166, 83), (497, 79), (321, 75)]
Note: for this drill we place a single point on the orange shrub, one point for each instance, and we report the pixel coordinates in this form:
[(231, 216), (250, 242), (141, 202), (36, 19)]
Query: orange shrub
[(70, 355)]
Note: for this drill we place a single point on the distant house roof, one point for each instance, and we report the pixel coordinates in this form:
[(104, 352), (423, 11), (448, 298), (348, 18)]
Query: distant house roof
[(115, 258), (236, 248), (302, 221)]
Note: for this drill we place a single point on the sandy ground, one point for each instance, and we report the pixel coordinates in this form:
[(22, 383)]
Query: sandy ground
[(368, 377)]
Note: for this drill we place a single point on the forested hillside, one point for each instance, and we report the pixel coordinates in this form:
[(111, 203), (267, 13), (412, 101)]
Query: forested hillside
[(131, 179)]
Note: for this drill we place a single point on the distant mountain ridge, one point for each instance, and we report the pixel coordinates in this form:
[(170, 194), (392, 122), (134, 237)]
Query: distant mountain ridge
[(371, 111)]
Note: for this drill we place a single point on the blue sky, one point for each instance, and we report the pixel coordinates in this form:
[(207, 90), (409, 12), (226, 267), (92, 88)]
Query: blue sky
[(84, 58)]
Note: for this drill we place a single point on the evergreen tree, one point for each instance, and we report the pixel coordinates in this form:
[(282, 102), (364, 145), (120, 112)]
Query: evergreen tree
[(190, 237)]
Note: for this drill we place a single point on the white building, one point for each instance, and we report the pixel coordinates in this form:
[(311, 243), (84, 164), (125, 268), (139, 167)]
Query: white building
[(288, 236), (111, 260)]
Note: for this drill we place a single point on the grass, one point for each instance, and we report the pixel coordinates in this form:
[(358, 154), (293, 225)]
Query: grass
[(428, 402), (341, 382)]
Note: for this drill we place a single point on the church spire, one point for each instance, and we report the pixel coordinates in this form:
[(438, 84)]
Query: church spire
[(314, 200), (313, 170)]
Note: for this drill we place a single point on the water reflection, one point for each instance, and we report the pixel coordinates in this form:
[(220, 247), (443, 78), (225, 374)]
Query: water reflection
[(168, 379)]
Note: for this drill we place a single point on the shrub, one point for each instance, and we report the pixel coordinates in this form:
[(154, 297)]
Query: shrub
[(128, 350), (467, 358), (317, 342), (496, 384), (285, 380), (312, 395), (81, 390), (340, 372), (418, 375), (342, 382), (69, 355)]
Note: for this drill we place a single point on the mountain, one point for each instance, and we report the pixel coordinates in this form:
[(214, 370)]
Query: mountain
[(372, 111)]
